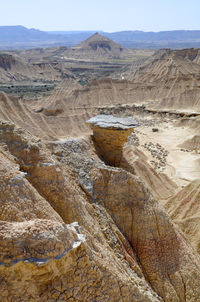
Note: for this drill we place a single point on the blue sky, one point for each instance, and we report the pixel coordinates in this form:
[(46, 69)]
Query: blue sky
[(107, 15)]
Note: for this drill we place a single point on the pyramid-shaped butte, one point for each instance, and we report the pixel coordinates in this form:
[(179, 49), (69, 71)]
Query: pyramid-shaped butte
[(100, 45)]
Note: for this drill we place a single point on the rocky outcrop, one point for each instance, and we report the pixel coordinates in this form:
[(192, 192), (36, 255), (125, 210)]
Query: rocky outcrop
[(169, 264), (36, 241), (74, 275), (109, 135), (19, 200), (41, 170), (103, 268), (118, 146), (126, 248), (165, 257)]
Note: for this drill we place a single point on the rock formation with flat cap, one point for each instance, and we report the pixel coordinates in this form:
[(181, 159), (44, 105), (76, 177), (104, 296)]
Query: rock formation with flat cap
[(110, 134)]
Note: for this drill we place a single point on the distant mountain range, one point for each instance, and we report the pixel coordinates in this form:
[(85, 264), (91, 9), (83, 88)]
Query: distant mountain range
[(16, 37)]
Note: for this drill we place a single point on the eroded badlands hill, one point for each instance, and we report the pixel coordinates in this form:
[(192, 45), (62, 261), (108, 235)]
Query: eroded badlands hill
[(98, 46), (103, 214), (14, 69), (137, 255), (171, 79), (33, 72)]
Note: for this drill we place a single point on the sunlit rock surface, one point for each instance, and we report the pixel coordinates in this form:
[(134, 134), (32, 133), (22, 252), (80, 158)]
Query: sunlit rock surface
[(110, 134), (75, 229)]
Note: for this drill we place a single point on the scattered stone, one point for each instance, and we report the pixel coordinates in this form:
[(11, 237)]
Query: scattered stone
[(155, 130), (159, 153)]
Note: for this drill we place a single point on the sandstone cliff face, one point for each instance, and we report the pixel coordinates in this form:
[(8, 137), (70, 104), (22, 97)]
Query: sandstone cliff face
[(109, 135), (126, 248), (109, 144)]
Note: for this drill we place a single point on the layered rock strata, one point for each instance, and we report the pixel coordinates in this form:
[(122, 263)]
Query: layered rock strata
[(37, 241), (42, 259), (126, 248), (110, 134), (157, 243), (169, 264)]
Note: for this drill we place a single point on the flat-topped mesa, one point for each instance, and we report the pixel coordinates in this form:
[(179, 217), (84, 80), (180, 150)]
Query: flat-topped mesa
[(110, 134)]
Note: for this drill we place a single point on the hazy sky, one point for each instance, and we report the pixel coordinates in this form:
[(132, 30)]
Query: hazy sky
[(107, 15)]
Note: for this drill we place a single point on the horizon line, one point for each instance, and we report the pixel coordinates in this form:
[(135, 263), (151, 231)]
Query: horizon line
[(99, 30)]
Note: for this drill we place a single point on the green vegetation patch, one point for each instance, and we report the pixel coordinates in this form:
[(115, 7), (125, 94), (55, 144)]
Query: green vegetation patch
[(25, 91)]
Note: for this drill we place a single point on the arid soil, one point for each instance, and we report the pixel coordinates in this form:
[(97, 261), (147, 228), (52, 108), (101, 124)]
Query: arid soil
[(109, 210), (35, 72)]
